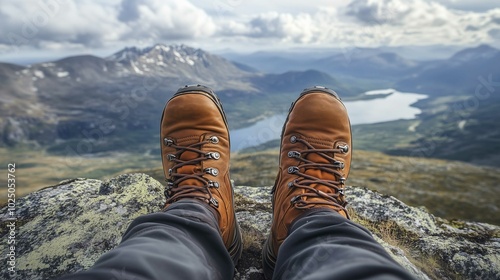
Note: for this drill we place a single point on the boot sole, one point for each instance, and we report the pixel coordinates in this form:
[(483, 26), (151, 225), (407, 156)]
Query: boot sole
[(268, 260), (236, 248), (268, 257), (321, 89)]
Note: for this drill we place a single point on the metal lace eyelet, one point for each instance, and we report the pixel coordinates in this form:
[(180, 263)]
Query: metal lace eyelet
[(343, 148), (213, 184), (214, 139), (295, 199), (290, 184), (170, 172), (168, 188), (339, 164), (168, 142), (171, 157), (214, 201), (293, 169), (342, 180), (213, 155), (212, 171), (293, 139), (293, 154), (169, 185)]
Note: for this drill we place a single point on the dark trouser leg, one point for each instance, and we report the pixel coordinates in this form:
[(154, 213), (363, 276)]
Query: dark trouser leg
[(180, 243), (325, 245)]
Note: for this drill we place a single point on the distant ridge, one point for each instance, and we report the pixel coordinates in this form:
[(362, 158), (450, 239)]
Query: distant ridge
[(479, 52)]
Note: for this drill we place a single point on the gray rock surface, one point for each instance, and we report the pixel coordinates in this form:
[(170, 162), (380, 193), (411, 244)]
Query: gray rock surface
[(65, 228)]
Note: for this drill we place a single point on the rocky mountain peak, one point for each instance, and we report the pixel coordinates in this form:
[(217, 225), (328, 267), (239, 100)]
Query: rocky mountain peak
[(175, 60), (159, 54)]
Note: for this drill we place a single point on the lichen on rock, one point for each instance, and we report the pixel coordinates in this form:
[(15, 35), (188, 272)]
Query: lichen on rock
[(66, 228)]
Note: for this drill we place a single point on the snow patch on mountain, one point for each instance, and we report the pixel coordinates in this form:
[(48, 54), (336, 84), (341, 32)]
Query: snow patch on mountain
[(62, 74), (137, 70), (39, 74)]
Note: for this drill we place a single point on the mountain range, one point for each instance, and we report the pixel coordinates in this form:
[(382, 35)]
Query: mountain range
[(359, 63), (88, 104), (102, 99)]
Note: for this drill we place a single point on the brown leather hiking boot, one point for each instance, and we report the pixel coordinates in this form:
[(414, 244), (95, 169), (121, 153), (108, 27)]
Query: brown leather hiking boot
[(195, 154), (315, 158)]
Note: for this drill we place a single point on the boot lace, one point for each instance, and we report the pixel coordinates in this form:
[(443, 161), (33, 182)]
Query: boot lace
[(335, 198), (175, 188)]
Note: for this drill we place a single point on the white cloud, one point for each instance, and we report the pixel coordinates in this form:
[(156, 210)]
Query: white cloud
[(302, 28), (470, 5), (425, 22), (55, 23), (60, 24), (372, 23), (400, 12), (165, 20)]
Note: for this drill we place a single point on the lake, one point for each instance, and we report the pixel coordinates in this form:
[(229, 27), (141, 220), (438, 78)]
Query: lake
[(394, 106)]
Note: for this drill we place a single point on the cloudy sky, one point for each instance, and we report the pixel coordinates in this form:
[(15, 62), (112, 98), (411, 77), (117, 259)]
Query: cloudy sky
[(64, 26)]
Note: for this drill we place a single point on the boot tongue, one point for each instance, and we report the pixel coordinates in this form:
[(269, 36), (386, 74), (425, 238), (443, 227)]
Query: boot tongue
[(190, 169)]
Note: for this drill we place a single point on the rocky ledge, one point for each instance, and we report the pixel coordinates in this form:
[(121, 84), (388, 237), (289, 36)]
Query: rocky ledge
[(65, 228)]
